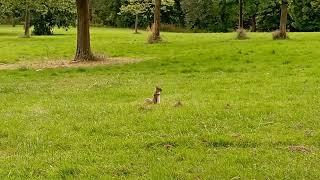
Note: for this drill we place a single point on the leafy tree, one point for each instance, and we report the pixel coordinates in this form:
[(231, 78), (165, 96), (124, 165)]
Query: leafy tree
[(139, 7), (268, 16), (252, 8), (305, 15), (60, 13), (42, 14), (4, 8), (212, 15), (136, 8), (106, 12), (198, 13)]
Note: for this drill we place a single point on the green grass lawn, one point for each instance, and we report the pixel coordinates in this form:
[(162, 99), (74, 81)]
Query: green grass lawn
[(250, 108)]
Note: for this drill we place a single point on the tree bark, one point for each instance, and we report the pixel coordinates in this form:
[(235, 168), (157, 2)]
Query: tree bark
[(284, 19), (83, 52), (157, 21), (136, 24), (27, 23), (240, 14)]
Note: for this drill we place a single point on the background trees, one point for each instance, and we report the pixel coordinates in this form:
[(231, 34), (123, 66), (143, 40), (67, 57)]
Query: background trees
[(144, 8), (136, 8), (42, 14), (305, 15), (48, 14)]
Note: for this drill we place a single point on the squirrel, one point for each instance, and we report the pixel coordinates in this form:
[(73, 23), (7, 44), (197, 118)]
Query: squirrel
[(156, 97)]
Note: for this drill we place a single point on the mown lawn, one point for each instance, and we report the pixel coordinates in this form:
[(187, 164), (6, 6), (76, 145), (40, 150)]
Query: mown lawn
[(250, 108)]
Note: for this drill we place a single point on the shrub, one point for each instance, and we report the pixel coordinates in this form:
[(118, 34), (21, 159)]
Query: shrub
[(241, 34)]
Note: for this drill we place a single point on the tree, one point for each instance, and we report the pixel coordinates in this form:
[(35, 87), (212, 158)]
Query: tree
[(283, 19), (156, 25), (136, 8), (252, 8), (49, 14), (199, 14), (83, 52), (4, 8), (305, 15), (26, 6), (268, 16), (241, 33), (27, 21), (240, 25), (42, 14)]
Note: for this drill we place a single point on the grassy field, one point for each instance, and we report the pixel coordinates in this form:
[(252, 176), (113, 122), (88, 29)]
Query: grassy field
[(250, 108)]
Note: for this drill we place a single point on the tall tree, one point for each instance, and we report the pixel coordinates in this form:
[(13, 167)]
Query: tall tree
[(240, 25), (283, 19), (27, 22), (157, 21), (83, 52)]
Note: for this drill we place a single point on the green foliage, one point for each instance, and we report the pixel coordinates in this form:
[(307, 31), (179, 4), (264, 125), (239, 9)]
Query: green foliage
[(211, 15), (305, 15), (60, 13), (135, 7), (268, 18), (107, 13), (45, 14)]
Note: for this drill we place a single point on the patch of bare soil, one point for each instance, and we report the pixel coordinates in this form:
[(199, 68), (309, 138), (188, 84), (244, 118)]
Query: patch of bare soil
[(300, 149), (39, 65)]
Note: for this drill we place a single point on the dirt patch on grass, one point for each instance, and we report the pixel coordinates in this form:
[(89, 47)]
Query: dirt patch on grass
[(300, 149), (39, 65)]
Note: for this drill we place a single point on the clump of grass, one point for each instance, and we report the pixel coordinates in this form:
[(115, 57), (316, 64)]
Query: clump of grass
[(242, 34), (277, 35)]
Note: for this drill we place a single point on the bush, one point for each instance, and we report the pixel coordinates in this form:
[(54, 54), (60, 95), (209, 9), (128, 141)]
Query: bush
[(241, 34)]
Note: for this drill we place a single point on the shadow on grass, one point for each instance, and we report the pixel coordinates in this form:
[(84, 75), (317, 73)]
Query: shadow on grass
[(9, 34)]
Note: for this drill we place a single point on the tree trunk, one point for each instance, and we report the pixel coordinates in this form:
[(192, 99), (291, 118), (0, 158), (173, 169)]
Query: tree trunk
[(254, 23), (136, 24), (157, 19), (284, 19), (27, 23), (240, 14), (83, 52)]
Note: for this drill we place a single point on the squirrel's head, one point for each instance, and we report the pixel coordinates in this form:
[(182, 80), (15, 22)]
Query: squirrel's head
[(158, 89)]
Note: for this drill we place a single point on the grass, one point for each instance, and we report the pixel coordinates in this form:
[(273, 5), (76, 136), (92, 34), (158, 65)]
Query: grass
[(247, 108)]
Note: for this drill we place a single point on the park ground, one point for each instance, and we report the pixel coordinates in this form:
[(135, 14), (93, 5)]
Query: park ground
[(250, 108)]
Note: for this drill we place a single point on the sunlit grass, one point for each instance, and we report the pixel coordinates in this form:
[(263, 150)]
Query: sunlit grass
[(250, 108)]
